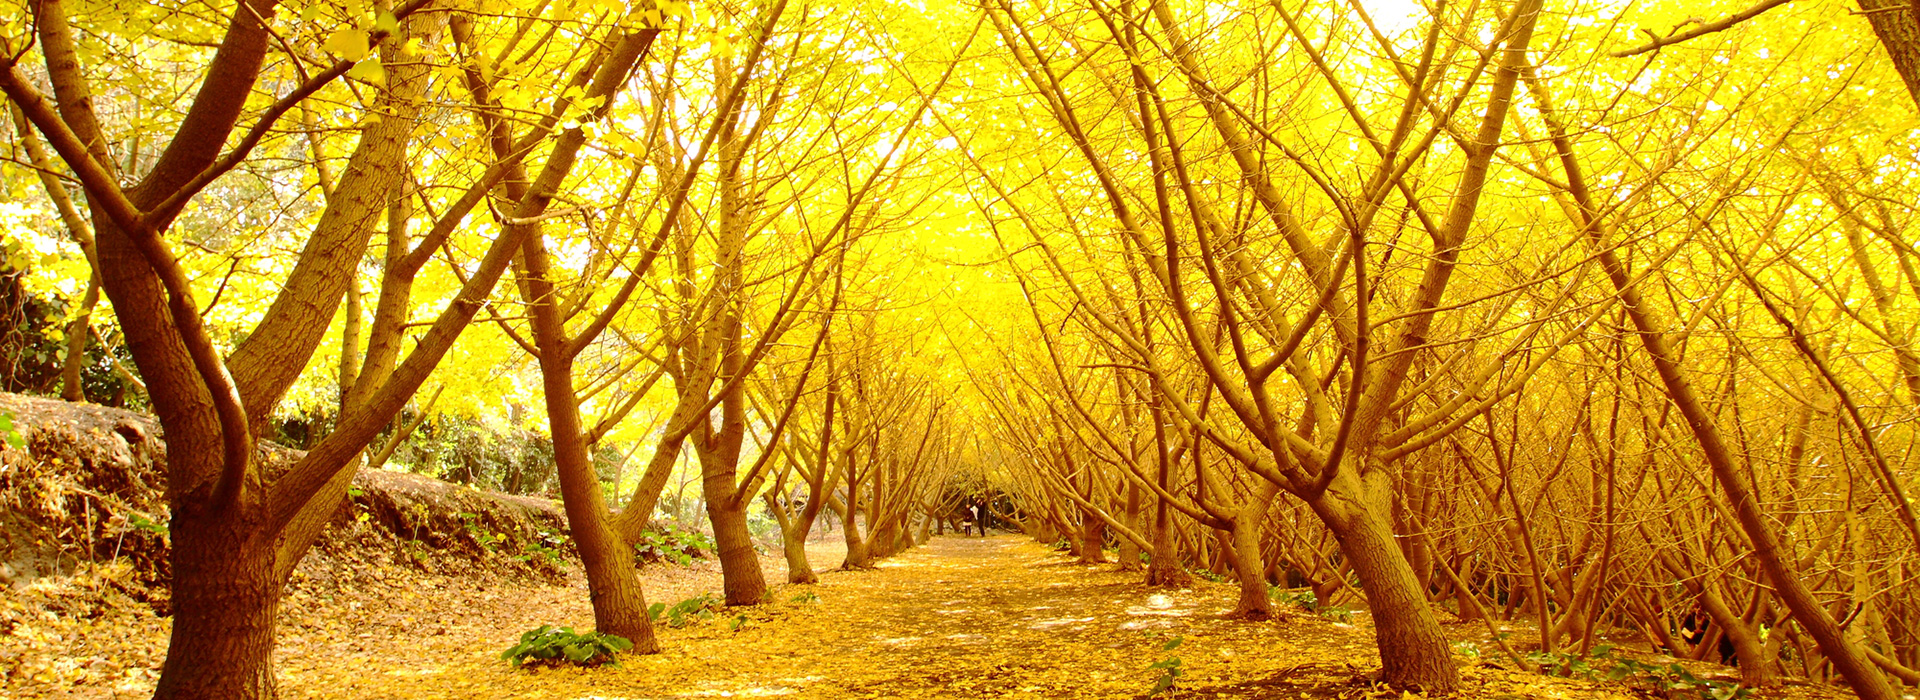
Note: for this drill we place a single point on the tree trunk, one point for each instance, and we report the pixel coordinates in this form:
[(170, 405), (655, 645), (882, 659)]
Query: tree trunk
[(1750, 653), (743, 580), (1093, 539), (799, 569), (1898, 28), (1414, 653), (225, 598), (858, 556), (77, 332), (1163, 564), (1130, 552), (1793, 590), (619, 605), (1254, 603)]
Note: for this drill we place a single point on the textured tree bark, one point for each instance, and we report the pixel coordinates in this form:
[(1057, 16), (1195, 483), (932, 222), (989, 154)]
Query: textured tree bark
[(1248, 568), (744, 581), (619, 605), (225, 598), (793, 542), (1093, 539), (1747, 648), (1163, 563), (1413, 651), (742, 578), (237, 527), (1898, 27)]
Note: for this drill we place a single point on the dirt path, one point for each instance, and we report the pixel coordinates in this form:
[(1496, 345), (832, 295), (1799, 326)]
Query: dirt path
[(1000, 617)]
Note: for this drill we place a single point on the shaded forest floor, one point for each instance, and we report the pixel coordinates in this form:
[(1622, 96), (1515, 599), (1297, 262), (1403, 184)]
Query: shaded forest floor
[(999, 617)]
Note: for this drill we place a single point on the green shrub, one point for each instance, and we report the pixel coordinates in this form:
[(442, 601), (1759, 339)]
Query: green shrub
[(547, 645), (1675, 681), (671, 544), (486, 538), (1306, 600), (686, 612), (1667, 681), (546, 546), (1303, 599)]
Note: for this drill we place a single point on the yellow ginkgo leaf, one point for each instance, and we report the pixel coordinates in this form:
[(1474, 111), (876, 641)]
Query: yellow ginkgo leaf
[(349, 44)]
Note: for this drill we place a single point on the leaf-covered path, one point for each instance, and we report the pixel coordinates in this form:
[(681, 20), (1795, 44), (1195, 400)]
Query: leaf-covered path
[(958, 618)]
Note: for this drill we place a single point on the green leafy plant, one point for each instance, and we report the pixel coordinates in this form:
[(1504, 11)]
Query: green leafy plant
[(763, 528), (545, 546), (1467, 649), (1169, 668), (1208, 575), (1674, 681), (1669, 681), (548, 645), (805, 597), (10, 434), (671, 544), (145, 524), (1337, 613), (1305, 600), (1572, 665), (686, 612), (488, 539)]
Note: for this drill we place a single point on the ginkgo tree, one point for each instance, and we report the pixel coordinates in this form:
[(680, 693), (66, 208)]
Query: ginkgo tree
[(240, 522), (1497, 310)]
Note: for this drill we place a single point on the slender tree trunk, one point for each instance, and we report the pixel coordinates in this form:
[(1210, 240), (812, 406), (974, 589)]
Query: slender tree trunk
[(858, 556), (619, 606), (1847, 658), (1130, 552), (1163, 564), (613, 584), (77, 332), (1254, 602), (794, 543), (1093, 539)]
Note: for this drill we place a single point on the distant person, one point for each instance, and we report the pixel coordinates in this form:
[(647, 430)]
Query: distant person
[(974, 511)]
